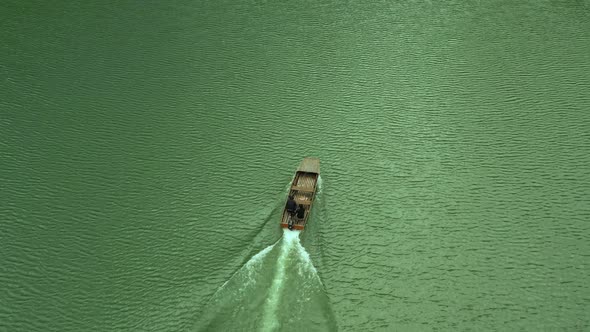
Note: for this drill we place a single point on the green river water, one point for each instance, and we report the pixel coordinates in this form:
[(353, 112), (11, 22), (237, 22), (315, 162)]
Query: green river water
[(147, 148)]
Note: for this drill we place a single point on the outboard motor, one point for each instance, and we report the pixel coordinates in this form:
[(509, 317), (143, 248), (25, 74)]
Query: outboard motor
[(290, 227)]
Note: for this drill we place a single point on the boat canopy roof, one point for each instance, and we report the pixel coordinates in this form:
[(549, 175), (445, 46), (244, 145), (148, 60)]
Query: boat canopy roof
[(310, 165)]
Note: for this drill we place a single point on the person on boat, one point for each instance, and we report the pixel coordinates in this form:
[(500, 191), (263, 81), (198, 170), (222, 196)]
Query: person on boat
[(301, 212), (291, 205)]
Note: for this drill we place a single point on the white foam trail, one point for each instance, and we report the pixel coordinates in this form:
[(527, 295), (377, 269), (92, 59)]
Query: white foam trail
[(290, 242), (270, 321), (304, 255), (249, 267)]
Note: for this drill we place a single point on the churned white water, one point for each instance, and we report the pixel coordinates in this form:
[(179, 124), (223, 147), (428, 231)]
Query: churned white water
[(290, 241), (277, 281)]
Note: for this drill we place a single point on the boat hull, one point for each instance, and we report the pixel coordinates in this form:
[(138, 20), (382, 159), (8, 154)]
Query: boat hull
[(303, 189)]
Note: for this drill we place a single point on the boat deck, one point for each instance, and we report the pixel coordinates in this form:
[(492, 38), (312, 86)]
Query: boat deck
[(303, 191)]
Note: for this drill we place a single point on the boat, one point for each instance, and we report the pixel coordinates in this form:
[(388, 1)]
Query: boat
[(303, 189)]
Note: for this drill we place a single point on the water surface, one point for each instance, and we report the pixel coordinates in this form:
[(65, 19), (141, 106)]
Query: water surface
[(146, 149)]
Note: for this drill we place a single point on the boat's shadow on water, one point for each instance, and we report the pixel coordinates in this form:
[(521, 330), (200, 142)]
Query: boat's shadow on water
[(278, 288)]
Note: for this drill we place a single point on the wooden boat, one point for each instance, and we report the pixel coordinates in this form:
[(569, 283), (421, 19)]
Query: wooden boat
[(303, 190)]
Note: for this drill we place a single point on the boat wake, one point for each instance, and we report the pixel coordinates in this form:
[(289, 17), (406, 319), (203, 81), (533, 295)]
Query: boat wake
[(277, 289)]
